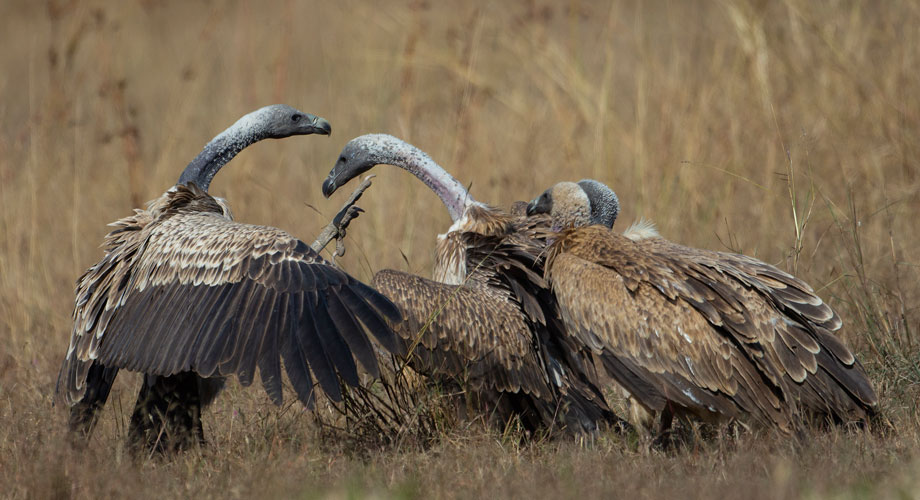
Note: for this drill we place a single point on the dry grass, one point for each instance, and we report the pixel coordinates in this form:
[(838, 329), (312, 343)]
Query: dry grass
[(787, 130)]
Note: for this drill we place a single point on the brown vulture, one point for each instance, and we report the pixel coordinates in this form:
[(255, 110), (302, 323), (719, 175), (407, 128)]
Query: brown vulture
[(691, 332), (482, 322), (187, 296)]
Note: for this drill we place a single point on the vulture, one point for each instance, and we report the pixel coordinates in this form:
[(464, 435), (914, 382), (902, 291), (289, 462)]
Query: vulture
[(696, 333), (482, 322), (187, 297)]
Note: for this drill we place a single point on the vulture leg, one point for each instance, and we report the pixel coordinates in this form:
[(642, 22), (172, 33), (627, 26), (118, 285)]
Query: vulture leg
[(581, 414), (209, 388), (85, 414), (167, 415), (665, 438), (500, 408), (524, 407)]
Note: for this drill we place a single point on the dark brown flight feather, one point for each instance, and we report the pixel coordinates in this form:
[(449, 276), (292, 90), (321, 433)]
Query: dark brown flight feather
[(188, 297), (184, 288)]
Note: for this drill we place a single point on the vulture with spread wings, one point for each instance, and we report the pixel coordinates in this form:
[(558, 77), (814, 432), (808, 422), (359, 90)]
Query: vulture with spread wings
[(187, 296)]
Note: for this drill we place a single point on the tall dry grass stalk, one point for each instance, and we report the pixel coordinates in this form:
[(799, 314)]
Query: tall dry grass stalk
[(786, 130)]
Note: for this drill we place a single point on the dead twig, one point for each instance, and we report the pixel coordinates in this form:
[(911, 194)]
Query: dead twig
[(336, 229)]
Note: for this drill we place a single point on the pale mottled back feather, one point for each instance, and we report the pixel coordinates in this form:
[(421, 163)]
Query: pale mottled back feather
[(184, 288), (491, 327), (755, 340), (472, 332)]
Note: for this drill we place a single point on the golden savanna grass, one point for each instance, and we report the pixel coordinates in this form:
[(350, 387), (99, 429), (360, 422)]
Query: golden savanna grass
[(788, 130)]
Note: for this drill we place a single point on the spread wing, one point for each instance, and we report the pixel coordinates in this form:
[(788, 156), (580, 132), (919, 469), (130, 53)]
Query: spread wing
[(199, 292), (469, 330), (670, 327)]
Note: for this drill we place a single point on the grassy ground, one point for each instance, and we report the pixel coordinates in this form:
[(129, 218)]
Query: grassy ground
[(787, 130)]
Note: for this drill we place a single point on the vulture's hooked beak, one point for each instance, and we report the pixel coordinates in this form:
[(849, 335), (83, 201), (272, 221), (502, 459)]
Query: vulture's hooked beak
[(532, 207), (321, 126), (542, 204), (329, 186)]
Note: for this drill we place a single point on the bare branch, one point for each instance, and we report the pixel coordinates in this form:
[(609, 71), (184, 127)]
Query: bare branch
[(335, 230)]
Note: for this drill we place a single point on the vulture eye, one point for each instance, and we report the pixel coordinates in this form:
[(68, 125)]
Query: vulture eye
[(295, 118), (342, 159)]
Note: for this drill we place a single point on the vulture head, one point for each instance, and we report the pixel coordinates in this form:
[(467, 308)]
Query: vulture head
[(581, 203), (280, 121), (364, 152), (270, 122)]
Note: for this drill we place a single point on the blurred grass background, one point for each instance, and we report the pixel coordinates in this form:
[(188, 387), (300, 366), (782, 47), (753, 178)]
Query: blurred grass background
[(787, 130)]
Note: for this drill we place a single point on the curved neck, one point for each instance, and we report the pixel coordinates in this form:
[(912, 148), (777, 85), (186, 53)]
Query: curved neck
[(454, 196), (218, 152)]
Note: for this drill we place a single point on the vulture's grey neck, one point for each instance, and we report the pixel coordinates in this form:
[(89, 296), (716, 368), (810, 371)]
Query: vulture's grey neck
[(404, 155), (246, 131)]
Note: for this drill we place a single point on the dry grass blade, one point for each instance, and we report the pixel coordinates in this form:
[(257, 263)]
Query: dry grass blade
[(105, 102), (400, 411)]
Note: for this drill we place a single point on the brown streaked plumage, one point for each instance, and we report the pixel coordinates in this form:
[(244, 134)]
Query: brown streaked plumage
[(475, 326), (715, 335), (187, 296), (482, 322)]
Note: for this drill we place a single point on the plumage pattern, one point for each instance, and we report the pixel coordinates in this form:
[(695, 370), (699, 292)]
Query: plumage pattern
[(705, 333), (483, 321), (492, 331), (469, 331), (477, 326), (187, 296), (184, 288)]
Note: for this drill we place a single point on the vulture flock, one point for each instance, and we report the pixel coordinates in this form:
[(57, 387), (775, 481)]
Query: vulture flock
[(541, 313)]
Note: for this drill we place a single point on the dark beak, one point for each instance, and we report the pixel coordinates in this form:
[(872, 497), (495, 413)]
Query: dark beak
[(542, 204), (321, 126), (329, 187), (532, 208)]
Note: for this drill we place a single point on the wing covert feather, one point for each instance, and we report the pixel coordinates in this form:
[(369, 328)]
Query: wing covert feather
[(468, 329), (731, 325), (193, 290)]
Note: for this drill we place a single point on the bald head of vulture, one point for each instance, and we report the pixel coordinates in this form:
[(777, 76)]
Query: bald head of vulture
[(584, 203), (364, 152), (187, 296), (276, 121), (581, 203)]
